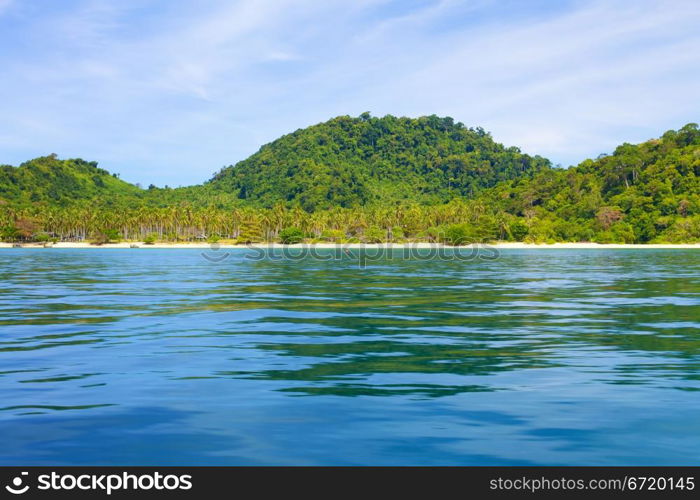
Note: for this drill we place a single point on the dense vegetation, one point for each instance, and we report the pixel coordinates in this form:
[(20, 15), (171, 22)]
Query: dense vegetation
[(640, 193), (374, 179), (350, 162), (58, 182)]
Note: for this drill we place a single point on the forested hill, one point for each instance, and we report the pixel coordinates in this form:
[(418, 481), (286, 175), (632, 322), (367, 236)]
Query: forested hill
[(641, 193), (59, 182), (350, 162), (376, 179)]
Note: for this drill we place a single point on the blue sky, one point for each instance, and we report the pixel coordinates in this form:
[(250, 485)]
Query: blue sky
[(169, 91)]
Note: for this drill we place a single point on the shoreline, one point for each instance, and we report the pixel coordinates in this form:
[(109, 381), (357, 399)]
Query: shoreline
[(418, 245)]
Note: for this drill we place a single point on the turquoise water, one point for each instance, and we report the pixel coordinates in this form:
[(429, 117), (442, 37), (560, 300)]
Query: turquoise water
[(166, 357)]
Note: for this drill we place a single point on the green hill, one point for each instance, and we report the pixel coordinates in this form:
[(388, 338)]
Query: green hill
[(356, 161), (640, 193), (376, 179), (59, 182)]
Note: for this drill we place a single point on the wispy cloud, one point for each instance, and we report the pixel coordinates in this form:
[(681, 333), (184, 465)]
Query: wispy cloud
[(169, 91)]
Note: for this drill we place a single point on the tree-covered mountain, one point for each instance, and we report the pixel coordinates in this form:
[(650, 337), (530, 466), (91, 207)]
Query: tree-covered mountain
[(59, 182), (640, 193), (376, 179), (50, 181), (347, 162)]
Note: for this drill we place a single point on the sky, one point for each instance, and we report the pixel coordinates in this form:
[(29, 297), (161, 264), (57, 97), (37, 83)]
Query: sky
[(169, 91)]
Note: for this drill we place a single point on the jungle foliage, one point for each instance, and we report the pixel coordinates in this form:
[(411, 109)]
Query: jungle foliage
[(374, 179), (350, 162)]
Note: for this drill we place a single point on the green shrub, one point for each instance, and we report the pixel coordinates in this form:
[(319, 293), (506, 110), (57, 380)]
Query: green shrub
[(374, 234), (291, 235), (605, 237), (9, 233), (150, 239), (249, 232), (458, 234), (112, 236), (518, 230), (618, 233), (397, 233)]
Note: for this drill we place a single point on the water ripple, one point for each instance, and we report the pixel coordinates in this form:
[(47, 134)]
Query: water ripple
[(538, 357)]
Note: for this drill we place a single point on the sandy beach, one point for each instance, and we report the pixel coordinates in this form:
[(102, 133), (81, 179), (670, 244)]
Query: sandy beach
[(499, 245)]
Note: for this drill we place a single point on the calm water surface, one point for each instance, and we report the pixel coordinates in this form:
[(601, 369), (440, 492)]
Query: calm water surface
[(164, 357)]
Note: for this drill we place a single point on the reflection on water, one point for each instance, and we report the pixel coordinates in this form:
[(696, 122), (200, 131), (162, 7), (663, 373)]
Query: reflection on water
[(162, 356)]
